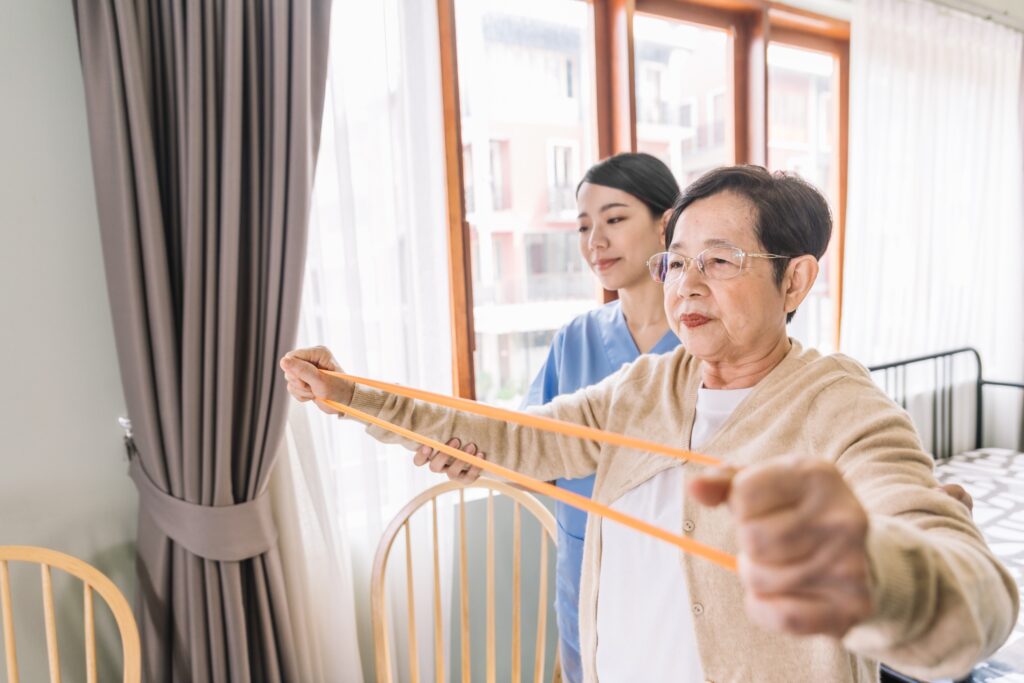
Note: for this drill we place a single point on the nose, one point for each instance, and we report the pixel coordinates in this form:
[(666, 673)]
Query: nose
[(691, 282), (597, 238)]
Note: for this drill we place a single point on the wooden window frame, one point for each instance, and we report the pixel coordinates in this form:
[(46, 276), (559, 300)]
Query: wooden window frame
[(754, 24), (834, 40), (460, 271)]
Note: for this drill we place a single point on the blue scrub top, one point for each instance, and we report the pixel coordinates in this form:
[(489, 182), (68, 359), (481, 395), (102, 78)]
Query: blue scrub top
[(584, 352)]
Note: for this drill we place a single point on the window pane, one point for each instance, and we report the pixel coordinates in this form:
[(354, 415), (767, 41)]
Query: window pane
[(525, 81), (683, 95), (803, 119)]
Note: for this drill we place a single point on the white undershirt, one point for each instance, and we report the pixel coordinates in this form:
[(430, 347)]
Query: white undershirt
[(644, 617)]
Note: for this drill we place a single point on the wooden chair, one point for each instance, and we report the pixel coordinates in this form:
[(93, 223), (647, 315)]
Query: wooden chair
[(94, 581), (382, 646)]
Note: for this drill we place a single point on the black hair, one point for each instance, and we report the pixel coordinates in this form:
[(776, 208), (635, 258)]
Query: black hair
[(792, 217), (644, 176)]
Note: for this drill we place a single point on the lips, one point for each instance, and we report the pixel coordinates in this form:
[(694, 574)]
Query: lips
[(605, 263), (692, 320)]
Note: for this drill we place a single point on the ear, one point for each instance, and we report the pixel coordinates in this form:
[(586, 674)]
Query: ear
[(800, 275), (664, 225)]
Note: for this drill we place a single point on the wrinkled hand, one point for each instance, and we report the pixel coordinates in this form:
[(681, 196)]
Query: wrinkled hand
[(456, 470), (306, 383), (959, 493), (802, 536)]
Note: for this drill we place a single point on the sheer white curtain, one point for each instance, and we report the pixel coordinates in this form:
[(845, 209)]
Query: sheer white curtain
[(376, 293), (935, 232)]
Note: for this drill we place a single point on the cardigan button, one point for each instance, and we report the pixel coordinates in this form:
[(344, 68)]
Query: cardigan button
[(688, 525), (698, 609)]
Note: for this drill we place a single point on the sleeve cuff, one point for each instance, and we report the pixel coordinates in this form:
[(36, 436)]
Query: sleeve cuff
[(368, 400), (891, 550)]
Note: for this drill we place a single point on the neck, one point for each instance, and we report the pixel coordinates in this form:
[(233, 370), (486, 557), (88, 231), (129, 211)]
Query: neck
[(748, 371), (643, 305)]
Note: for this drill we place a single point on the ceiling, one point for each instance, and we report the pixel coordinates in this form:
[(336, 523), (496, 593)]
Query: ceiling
[(1007, 12)]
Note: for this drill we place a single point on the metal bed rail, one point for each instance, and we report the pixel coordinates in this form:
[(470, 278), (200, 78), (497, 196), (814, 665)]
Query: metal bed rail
[(944, 364)]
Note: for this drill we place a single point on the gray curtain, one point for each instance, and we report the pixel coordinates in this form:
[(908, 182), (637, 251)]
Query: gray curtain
[(204, 118)]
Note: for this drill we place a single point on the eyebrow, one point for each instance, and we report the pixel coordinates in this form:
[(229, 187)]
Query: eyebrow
[(613, 205), (714, 242)]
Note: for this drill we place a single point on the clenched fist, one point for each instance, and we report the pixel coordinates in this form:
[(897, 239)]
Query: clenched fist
[(306, 383), (802, 536)]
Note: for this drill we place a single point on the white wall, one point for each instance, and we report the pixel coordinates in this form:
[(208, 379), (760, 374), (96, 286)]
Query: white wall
[(63, 480)]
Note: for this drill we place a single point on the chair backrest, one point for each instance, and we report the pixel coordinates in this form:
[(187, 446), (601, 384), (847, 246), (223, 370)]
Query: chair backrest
[(94, 582), (520, 499)]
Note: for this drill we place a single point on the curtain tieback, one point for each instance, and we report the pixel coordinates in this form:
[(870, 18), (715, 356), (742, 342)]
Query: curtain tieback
[(229, 533)]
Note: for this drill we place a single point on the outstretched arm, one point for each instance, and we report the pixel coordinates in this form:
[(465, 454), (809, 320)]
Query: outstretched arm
[(533, 452)]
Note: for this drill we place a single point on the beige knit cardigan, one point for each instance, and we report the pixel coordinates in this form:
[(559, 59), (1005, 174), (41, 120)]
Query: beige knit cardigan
[(942, 601)]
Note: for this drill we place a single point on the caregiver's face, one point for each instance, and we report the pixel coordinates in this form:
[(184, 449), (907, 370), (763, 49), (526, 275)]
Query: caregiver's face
[(617, 234), (731, 320)]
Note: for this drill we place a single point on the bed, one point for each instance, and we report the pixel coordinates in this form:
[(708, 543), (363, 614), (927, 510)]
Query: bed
[(945, 394)]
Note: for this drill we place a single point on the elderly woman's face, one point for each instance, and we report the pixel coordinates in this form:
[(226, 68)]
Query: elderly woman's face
[(724, 320)]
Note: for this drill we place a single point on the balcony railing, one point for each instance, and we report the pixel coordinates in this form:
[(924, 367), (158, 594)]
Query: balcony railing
[(665, 113), (558, 286), (535, 288), (561, 199)]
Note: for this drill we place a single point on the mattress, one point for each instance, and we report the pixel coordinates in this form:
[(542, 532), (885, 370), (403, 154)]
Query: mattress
[(995, 478)]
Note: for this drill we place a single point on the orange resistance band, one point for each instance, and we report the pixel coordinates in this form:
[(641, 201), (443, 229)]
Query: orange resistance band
[(546, 424), (569, 498), (689, 545)]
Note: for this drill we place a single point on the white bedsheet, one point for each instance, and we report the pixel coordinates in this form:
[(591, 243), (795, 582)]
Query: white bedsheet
[(995, 478)]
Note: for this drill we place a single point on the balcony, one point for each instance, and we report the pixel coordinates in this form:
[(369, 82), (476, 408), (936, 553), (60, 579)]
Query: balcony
[(561, 199), (665, 113), (536, 288), (560, 286)]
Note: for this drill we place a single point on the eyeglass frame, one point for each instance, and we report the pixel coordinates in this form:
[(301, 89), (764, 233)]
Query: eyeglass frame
[(699, 260)]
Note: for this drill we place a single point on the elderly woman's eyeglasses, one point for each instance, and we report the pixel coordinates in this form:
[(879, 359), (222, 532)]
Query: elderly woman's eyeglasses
[(715, 263)]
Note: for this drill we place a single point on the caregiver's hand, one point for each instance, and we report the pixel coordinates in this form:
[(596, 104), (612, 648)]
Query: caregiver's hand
[(305, 381), (456, 470), (958, 492), (802, 536)]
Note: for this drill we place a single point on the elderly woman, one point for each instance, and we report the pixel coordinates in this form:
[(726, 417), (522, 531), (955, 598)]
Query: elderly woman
[(829, 500)]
